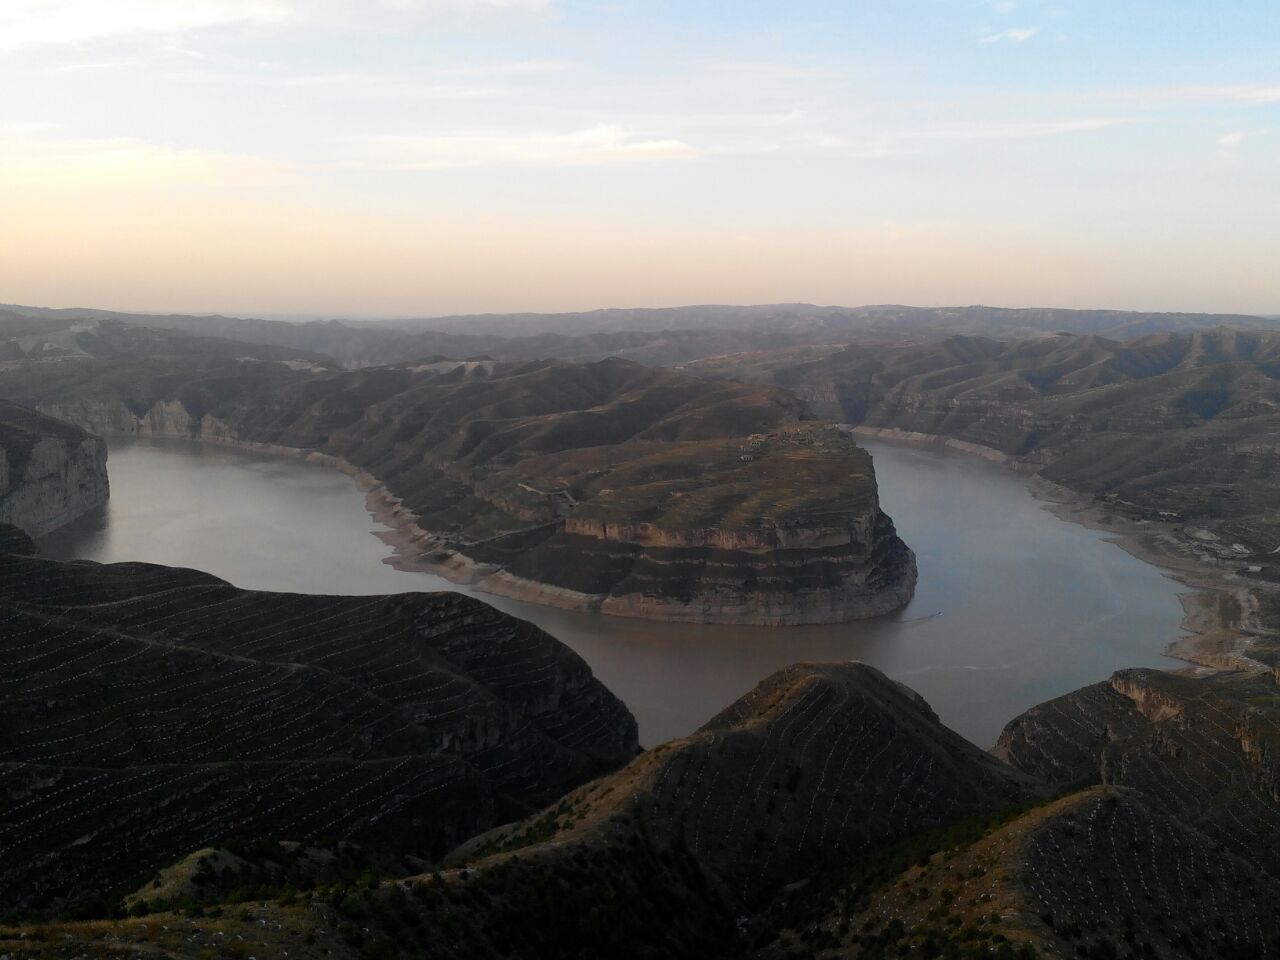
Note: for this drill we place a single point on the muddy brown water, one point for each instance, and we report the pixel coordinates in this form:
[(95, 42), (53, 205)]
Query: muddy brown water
[(1014, 606)]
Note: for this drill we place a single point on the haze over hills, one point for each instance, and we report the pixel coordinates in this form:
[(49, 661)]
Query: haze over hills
[(652, 335), (58, 338), (809, 319)]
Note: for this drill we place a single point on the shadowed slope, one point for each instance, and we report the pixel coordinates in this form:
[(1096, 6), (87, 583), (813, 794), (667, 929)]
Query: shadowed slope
[(148, 711), (668, 857), (1100, 873), (1206, 751)]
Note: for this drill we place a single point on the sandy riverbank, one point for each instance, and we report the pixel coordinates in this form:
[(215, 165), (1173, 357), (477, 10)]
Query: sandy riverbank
[(1219, 609)]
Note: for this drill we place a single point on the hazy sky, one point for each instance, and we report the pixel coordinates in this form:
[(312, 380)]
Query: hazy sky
[(416, 157)]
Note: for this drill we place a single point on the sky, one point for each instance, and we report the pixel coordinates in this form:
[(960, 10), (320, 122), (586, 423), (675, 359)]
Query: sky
[(371, 158)]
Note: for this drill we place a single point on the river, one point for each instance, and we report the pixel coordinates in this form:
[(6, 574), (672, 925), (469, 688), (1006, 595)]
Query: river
[(1014, 606)]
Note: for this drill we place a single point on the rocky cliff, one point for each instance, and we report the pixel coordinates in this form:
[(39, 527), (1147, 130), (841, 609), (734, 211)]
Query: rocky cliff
[(605, 486), (50, 472)]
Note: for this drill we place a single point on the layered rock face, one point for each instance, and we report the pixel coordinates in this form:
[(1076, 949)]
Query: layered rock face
[(50, 472), (605, 486), (148, 712)]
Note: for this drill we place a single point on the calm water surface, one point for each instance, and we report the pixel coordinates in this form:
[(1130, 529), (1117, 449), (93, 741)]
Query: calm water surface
[(1013, 606)]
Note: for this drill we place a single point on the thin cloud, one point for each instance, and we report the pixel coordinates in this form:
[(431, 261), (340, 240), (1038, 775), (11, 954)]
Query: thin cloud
[(35, 23), (33, 128), (360, 85), (769, 72), (1230, 144), (446, 81), (1010, 35), (433, 6), (94, 65), (596, 145), (1244, 92), (42, 23), (514, 68), (1014, 131), (70, 163), (899, 142)]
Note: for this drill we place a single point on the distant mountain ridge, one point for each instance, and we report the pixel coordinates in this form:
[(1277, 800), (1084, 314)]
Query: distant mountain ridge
[(658, 335), (807, 317)]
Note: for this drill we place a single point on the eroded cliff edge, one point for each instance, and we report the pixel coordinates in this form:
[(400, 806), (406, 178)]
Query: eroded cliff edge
[(50, 472), (606, 486)]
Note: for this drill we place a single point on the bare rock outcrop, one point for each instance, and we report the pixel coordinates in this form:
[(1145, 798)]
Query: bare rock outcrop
[(50, 472)]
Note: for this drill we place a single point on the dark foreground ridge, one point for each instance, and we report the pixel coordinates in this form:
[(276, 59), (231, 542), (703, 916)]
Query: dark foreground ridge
[(147, 712), (827, 813)]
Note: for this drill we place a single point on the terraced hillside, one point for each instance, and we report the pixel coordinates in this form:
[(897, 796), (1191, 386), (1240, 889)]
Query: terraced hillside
[(1100, 873), (825, 814), (816, 764), (1165, 845), (1206, 751), (949, 855), (609, 486), (146, 712)]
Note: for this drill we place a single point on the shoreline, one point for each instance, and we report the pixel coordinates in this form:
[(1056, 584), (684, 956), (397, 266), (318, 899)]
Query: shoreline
[(418, 550), (1217, 609)]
